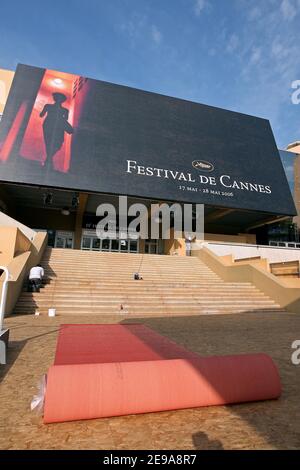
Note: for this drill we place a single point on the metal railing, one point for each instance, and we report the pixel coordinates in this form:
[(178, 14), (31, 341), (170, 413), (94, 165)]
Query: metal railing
[(3, 295)]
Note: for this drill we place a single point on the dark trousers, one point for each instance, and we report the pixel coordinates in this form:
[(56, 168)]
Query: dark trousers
[(34, 285)]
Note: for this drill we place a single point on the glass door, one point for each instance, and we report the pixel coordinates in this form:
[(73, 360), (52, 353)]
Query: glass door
[(90, 241), (86, 243), (151, 247), (64, 240), (96, 242)]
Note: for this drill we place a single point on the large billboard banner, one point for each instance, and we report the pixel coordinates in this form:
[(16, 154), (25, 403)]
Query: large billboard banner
[(67, 131)]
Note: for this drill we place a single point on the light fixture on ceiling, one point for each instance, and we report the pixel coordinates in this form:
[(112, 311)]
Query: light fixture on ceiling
[(58, 82), (48, 199), (65, 211), (75, 201)]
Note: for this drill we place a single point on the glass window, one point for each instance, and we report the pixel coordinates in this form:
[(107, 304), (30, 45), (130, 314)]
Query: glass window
[(69, 242), (133, 245), (291, 245), (115, 245), (105, 244), (151, 247), (86, 243), (51, 237), (281, 244), (59, 242), (124, 245), (96, 244)]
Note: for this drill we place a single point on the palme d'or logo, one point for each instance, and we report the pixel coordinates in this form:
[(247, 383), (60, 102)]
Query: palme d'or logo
[(202, 165)]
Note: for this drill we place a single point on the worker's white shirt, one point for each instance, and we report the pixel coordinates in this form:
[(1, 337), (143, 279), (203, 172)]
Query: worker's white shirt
[(36, 273)]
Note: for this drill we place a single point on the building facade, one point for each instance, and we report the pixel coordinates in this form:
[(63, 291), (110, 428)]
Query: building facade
[(69, 144)]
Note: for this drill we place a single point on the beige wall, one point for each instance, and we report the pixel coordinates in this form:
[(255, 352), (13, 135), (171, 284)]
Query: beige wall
[(6, 78), (7, 244), (20, 266), (7, 221), (177, 246), (18, 254), (12, 243), (174, 246), (296, 150), (286, 297), (241, 251)]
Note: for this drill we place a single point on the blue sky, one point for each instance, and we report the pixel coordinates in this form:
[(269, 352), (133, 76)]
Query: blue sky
[(241, 55)]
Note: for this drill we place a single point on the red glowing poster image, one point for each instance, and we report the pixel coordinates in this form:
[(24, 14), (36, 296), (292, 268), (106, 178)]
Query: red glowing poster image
[(44, 128), (50, 128)]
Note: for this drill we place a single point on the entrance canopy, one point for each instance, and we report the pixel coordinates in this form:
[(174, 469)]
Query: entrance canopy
[(55, 209)]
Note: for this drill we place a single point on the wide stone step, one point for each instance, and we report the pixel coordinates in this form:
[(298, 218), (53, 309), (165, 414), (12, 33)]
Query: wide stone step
[(132, 303), (77, 292), (106, 254), (139, 286), (143, 304), (142, 296), (126, 265), (152, 306), (192, 270), (123, 272), (88, 290), (72, 273), (145, 282), (154, 279), (99, 283), (150, 313)]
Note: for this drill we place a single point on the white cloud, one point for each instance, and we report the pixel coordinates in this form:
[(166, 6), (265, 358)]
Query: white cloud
[(156, 35), (138, 29), (134, 27), (232, 44), (256, 55), (279, 50), (200, 5), (254, 13), (269, 51), (288, 10)]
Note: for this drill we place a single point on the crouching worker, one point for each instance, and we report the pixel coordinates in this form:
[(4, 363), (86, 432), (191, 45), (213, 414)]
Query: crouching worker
[(36, 275)]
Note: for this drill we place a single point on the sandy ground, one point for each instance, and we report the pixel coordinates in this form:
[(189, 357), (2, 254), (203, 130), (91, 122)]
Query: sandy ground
[(264, 425)]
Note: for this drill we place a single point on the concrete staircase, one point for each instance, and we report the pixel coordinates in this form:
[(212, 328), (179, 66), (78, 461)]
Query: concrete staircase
[(98, 283)]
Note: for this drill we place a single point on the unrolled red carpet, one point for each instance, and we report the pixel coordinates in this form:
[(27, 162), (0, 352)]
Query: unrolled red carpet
[(113, 370)]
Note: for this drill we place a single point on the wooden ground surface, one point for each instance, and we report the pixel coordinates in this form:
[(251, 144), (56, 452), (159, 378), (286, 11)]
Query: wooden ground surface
[(264, 425)]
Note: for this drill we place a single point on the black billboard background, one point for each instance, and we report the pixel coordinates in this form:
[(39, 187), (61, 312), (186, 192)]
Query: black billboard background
[(113, 124)]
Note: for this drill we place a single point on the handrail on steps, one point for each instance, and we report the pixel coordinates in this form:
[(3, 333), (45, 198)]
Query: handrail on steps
[(4, 295)]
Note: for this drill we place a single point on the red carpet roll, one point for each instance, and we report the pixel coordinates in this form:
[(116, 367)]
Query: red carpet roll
[(86, 391)]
